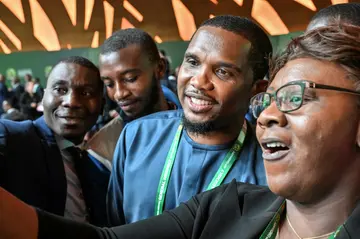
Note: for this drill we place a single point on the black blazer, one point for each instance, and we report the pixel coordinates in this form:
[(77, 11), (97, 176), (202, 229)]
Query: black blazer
[(32, 168), (233, 211), (16, 95)]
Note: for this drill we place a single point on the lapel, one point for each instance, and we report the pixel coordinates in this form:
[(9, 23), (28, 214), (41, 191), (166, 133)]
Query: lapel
[(55, 167), (242, 212), (352, 228), (259, 208)]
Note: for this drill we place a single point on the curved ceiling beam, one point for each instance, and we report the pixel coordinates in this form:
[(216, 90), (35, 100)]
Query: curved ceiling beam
[(15, 6), (89, 6), (184, 19), (268, 18), (43, 29), (12, 37), (70, 6), (109, 18)]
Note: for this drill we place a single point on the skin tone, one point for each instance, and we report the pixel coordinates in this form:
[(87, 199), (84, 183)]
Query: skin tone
[(316, 204), (214, 83), (323, 200), (6, 106), (133, 81), (72, 100)]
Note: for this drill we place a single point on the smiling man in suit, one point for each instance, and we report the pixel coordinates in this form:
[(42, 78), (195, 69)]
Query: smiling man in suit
[(49, 170)]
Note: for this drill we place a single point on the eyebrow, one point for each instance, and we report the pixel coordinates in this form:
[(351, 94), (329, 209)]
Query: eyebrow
[(220, 63), (64, 82), (59, 82), (132, 70), (191, 55)]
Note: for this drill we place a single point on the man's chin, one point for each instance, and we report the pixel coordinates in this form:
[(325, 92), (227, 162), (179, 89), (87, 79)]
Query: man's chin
[(198, 126)]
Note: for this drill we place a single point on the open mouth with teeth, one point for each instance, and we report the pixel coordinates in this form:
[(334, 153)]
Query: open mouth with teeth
[(274, 147)]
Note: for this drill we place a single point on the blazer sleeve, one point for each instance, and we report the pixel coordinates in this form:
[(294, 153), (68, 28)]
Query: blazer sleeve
[(176, 224), (184, 222)]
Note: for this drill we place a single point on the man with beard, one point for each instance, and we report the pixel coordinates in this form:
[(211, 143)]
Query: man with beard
[(131, 69), (42, 162), (166, 158)]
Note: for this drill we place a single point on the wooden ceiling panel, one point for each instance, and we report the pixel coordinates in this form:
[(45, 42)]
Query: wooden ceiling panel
[(158, 18)]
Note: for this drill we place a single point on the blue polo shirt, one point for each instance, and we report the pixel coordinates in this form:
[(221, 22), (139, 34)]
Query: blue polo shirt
[(139, 160)]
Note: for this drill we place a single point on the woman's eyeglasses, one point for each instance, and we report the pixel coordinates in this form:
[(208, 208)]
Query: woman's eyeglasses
[(289, 97)]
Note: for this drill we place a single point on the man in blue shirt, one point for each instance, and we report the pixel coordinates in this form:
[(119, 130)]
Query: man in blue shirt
[(166, 158), (131, 69)]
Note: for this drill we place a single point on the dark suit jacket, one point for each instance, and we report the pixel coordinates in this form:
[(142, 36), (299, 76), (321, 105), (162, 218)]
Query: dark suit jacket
[(31, 167), (233, 211), (16, 95), (15, 115), (3, 95)]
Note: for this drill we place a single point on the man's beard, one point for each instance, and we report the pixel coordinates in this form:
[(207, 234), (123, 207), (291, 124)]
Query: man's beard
[(198, 128), (152, 98)]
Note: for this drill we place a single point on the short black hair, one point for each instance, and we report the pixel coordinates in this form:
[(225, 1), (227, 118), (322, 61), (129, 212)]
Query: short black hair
[(79, 60), (347, 13), (261, 48), (82, 61), (124, 38)]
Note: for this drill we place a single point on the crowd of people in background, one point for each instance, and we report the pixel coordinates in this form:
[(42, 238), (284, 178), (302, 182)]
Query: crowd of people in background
[(21, 101), (148, 153)]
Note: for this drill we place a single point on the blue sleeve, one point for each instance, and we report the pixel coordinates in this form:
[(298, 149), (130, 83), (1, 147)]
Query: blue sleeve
[(115, 210), (171, 96)]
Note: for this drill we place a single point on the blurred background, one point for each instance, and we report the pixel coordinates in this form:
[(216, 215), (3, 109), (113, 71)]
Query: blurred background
[(34, 34)]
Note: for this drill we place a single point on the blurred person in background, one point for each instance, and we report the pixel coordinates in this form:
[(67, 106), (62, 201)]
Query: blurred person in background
[(165, 81), (27, 79), (38, 90), (29, 102), (10, 113), (4, 93), (16, 91)]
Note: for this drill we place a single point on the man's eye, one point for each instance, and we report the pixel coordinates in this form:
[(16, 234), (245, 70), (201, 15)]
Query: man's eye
[(223, 73), (131, 79), (60, 90), (109, 84), (192, 61), (87, 93)]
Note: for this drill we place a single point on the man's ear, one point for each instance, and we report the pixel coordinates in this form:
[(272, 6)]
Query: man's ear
[(160, 69), (259, 86)]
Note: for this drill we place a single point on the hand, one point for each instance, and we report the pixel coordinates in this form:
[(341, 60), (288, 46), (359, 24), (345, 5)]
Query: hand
[(33, 105), (18, 220)]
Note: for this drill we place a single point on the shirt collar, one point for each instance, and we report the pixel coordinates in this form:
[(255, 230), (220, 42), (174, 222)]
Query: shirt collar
[(64, 143)]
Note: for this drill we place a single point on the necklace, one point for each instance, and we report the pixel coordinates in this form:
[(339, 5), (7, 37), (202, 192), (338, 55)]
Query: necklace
[(299, 237)]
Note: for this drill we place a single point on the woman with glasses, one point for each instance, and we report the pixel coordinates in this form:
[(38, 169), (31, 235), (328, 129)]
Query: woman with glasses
[(308, 123)]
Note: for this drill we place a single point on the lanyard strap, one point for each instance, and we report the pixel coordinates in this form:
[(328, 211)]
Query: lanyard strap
[(272, 228), (219, 177)]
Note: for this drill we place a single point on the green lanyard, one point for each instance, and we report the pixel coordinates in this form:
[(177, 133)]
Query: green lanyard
[(272, 228), (219, 177)]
